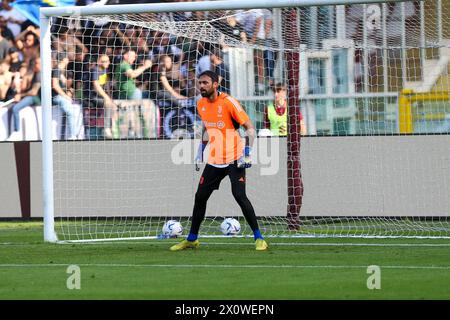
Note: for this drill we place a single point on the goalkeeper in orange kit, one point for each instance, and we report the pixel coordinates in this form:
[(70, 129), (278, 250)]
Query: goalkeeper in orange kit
[(221, 116)]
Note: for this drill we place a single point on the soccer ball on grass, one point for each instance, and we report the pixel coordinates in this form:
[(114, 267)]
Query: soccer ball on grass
[(230, 227), (172, 229)]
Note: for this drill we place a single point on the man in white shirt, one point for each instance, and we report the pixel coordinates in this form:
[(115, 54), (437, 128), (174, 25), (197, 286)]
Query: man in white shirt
[(13, 16), (258, 28)]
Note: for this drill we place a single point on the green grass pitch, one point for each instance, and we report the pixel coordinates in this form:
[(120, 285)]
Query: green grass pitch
[(230, 268)]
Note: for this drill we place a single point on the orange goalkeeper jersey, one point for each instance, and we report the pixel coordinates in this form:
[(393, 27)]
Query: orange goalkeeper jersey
[(222, 118)]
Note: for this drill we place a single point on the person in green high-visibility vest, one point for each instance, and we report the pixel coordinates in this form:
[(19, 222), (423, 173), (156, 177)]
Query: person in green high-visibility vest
[(276, 114)]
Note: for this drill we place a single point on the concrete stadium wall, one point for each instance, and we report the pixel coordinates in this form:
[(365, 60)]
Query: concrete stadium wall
[(9, 188), (342, 176)]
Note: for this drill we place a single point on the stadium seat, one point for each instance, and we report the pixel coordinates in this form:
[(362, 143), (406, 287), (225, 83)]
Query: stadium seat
[(28, 124), (38, 110), (78, 121), (57, 122), (3, 124), (56, 117)]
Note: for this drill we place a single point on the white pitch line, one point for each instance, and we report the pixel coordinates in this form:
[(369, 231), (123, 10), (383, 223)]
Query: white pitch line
[(224, 266), (339, 244), (369, 244), (294, 244)]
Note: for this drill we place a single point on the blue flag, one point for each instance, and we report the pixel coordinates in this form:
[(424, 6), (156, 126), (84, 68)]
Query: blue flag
[(30, 8)]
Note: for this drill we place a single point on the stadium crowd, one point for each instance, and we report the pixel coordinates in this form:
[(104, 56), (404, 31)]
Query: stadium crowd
[(95, 65)]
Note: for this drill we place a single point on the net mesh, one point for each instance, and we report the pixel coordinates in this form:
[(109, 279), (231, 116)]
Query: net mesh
[(373, 74)]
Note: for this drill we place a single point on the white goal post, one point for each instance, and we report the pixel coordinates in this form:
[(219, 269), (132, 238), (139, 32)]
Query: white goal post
[(355, 84)]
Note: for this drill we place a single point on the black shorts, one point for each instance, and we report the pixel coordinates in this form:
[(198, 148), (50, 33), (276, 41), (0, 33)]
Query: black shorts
[(212, 176)]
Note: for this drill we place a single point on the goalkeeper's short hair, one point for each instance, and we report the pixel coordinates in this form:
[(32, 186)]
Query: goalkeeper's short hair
[(214, 77)]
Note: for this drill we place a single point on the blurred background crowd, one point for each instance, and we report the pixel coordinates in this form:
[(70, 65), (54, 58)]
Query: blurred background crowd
[(98, 64), (135, 76)]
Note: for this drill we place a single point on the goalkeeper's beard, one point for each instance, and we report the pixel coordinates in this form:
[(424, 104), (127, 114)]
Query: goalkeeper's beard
[(207, 94)]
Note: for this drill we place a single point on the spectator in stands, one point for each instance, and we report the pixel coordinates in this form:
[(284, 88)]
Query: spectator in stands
[(229, 26), (136, 37), (13, 17), (62, 93), (4, 45), (107, 38), (29, 97), (6, 32), (251, 21), (170, 82), (27, 42), (26, 72), (276, 114), (17, 83), (22, 80), (257, 25), (214, 62), (191, 89), (6, 78), (125, 76), (221, 69), (163, 46), (78, 69), (98, 100), (14, 59), (68, 42), (270, 56), (170, 86), (204, 62), (139, 41)]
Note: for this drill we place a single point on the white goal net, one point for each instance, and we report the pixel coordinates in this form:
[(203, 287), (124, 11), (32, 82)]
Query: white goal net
[(350, 102)]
